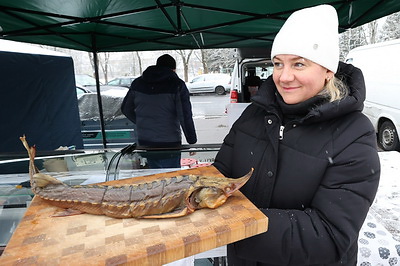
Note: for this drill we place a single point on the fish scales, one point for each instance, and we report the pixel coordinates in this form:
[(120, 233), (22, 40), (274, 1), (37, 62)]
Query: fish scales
[(92, 194), (115, 195), (165, 198)]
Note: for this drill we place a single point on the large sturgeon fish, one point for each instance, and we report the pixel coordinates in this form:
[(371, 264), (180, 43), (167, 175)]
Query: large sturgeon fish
[(163, 198)]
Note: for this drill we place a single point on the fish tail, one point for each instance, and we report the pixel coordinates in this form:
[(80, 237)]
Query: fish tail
[(31, 153)]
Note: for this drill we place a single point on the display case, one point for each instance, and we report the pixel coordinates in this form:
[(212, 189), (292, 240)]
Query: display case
[(82, 167)]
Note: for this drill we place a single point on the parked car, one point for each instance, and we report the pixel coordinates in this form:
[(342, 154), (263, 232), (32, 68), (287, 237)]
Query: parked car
[(109, 90), (85, 80), (122, 81), (81, 90), (117, 91), (218, 83), (120, 131)]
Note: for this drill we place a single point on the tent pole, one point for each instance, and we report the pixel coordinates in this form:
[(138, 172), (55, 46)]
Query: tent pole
[(99, 101)]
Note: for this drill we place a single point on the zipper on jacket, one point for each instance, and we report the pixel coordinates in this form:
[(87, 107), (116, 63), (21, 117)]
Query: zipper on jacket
[(282, 128)]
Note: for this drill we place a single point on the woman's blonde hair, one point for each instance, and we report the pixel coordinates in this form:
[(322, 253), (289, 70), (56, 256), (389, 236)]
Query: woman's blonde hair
[(334, 89)]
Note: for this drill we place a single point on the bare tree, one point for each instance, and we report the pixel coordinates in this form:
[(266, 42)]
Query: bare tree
[(350, 39), (185, 56), (139, 62), (372, 29), (203, 60), (91, 60), (219, 60), (370, 33), (103, 63), (390, 29), (201, 56)]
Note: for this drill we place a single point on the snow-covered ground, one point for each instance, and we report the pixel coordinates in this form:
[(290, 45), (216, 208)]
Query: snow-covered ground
[(386, 207), (379, 241)]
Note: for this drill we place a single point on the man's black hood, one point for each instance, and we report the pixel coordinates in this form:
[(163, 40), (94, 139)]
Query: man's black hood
[(157, 79), (156, 74)]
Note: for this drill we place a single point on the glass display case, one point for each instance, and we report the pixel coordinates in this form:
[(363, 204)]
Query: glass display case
[(82, 167)]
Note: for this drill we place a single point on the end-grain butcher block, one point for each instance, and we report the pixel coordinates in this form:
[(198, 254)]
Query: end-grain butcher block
[(43, 239)]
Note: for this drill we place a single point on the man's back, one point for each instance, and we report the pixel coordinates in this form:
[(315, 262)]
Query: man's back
[(158, 103)]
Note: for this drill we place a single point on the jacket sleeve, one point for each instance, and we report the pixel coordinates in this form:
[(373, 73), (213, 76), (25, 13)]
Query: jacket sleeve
[(128, 106), (186, 115), (223, 160), (332, 222)]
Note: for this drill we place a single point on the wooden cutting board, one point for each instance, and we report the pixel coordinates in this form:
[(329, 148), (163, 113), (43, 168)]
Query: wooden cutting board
[(41, 239)]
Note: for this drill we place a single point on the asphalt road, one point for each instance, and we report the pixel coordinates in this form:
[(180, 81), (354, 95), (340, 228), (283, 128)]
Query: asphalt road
[(208, 105), (209, 116)]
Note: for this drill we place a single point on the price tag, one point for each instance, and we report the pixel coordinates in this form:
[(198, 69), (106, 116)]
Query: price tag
[(89, 160)]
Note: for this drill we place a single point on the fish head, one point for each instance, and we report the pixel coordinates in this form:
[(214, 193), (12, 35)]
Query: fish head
[(212, 192)]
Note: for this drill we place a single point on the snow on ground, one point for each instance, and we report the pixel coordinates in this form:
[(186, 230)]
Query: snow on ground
[(379, 240), (386, 207)]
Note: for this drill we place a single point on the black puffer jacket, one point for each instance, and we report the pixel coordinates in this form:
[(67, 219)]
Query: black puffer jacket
[(315, 184), (158, 103)]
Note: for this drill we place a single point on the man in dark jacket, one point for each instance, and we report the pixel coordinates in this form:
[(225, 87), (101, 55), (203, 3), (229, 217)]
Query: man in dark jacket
[(158, 103), (316, 166)]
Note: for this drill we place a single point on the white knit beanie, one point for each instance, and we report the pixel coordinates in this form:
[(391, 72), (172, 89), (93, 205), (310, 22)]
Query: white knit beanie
[(311, 33)]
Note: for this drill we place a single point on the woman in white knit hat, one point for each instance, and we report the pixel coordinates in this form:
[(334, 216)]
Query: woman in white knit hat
[(314, 153)]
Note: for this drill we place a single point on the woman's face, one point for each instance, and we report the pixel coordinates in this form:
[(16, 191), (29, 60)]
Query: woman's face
[(298, 79)]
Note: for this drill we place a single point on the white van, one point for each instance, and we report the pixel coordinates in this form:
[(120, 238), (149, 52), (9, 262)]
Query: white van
[(252, 62), (380, 66)]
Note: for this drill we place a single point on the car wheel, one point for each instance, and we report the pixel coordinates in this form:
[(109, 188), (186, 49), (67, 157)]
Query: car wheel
[(388, 138), (220, 90)]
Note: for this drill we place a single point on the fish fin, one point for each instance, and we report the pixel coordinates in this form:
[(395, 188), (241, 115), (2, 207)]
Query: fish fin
[(67, 212), (178, 213), (42, 180)]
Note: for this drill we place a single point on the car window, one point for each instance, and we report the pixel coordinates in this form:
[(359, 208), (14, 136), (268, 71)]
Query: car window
[(217, 77), (264, 72), (79, 91), (197, 79), (349, 60), (114, 82), (126, 82), (85, 80)]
